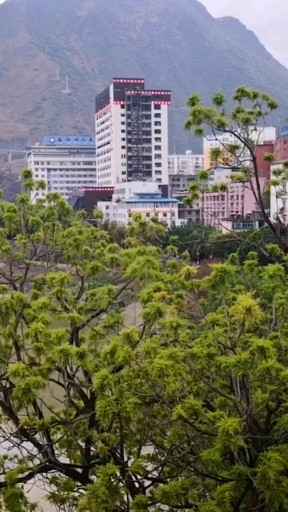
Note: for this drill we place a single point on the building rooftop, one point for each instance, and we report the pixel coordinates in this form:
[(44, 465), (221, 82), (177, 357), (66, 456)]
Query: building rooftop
[(151, 199)]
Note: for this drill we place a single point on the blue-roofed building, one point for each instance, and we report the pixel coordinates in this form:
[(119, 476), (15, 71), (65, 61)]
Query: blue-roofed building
[(144, 198)]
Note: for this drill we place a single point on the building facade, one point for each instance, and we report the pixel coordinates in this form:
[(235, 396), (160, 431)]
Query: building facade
[(237, 202), (131, 127), (210, 142), (87, 199), (63, 163), (264, 166), (259, 135), (144, 198), (279, 197), (185, 164), (281, 145), (180, 182)]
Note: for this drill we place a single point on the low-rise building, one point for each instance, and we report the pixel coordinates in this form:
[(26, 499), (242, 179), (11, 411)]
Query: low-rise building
[(188, 214), (180, 182), (144, 198), (237, 201), (179, 189), (239, 223), (87, 199)]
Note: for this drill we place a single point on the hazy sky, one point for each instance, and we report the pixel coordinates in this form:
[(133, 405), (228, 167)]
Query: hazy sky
[(267, 18)]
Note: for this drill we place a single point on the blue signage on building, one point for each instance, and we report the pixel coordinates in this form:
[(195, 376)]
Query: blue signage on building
[(60, 140), (284, 131)]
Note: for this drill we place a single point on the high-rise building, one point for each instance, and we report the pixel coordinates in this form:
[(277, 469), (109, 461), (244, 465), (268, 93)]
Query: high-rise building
[(64, 163), (131, 127)]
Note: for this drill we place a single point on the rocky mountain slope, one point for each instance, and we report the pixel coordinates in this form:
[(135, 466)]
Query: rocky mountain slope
[(172, 43)]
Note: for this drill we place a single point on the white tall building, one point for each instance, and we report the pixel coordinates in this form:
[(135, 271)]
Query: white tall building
[(64, 163), (131, 128), (187, 164)]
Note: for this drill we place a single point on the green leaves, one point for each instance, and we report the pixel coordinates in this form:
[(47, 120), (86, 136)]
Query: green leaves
[(128, 381), (241, 121)]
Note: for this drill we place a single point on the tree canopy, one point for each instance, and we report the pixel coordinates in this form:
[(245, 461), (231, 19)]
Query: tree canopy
[(181, 405), (243, 117)]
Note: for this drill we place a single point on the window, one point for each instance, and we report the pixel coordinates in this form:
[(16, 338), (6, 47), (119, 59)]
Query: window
[(157, 148), (123, 147), (157, 123), (157, 107), (157, 115), (157, 132)]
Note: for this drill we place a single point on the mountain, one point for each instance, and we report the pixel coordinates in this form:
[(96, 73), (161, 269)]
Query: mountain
[(174, 44)]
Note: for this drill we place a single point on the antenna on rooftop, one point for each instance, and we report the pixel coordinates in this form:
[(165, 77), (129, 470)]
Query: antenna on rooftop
[(67, 89)]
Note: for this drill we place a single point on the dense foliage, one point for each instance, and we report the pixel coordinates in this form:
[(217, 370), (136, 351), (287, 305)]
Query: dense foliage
[(244, 118), (181, 405)]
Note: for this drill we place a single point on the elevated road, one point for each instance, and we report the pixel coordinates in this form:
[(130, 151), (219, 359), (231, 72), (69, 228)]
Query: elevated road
[(18, 154)]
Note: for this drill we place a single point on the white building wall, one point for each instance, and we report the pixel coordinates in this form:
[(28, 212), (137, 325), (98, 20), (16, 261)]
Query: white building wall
[(168, 212), (187, 164), (39, 174), (264, 134), (103, 134), (118, 145), (126, 202), (210, 142), (129, 189), (160, 156), (62, 169), (259, 136)]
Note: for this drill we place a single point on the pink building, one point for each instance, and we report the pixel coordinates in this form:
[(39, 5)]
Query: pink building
[(237, 202)]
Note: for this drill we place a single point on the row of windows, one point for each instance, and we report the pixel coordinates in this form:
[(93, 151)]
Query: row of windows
[(55, 186), (152, 206), (63, 163), (73, 184), (154, 214), (66, 176)]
